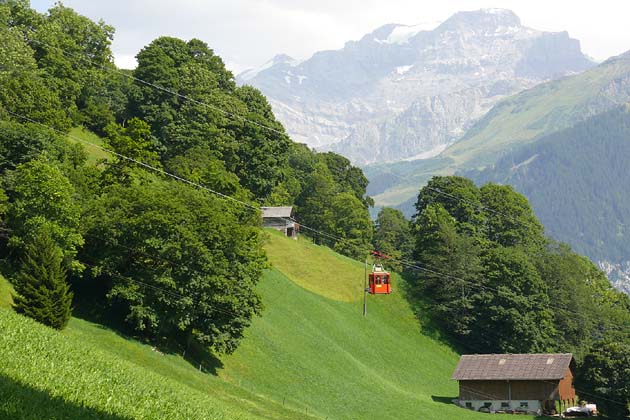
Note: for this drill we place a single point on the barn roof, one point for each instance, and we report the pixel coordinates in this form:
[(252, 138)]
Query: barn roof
[(276, 212), (512, 366)]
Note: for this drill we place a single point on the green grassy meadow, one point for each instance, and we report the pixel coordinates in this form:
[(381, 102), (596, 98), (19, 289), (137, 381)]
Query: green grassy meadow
[(310, 355), (85, 137), (5, 293)]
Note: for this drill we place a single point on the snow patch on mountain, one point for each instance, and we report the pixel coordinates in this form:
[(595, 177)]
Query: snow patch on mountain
[(403, 69), (497, 11), (401, 34)]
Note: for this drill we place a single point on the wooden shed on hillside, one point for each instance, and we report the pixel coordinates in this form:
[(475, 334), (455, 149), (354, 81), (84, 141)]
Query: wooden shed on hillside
[(533, 383), (280, 218)]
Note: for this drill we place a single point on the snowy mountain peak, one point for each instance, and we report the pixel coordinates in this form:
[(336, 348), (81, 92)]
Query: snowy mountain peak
[(405, 91), (276, 60)]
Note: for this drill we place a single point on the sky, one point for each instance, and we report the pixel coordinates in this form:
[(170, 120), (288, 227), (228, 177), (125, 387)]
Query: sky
[(247, 33)]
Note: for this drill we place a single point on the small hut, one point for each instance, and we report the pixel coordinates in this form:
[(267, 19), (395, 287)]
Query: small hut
[(533, 383), (280, 218)]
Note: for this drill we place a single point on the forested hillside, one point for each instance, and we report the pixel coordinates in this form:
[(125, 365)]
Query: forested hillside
[(576, 181), (486, 273), (155, 256)]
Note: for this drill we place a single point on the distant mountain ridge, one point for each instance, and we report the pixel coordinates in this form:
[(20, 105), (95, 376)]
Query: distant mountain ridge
[(512, 123), (409, 91)]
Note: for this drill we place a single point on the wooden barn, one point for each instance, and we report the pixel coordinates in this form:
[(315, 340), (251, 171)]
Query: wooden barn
[(279, 218), (533, 383)]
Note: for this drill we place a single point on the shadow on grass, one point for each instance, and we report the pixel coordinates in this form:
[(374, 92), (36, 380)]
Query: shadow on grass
[(443, 400), (91, 307), (18, 401), (422, 310)]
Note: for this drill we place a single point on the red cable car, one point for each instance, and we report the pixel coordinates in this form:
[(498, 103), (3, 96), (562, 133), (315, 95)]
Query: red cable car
[(379, 281)]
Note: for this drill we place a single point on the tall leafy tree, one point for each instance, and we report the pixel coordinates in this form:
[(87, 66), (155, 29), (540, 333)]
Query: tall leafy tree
[(392, 235), (497, 284), (42, 292), (264, 151), (176, 261), (605, 373), (348, 177), (201, 107), (23, 89), (513, 308), (451, 271), (510, 219), (459, 197), (41, 197), (351, 224), (72, 52)]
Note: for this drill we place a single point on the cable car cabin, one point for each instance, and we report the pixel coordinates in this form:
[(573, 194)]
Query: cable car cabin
[(380, 281)]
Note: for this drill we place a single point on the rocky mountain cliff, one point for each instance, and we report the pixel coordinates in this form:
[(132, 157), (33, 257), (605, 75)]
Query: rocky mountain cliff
[(406, 92)]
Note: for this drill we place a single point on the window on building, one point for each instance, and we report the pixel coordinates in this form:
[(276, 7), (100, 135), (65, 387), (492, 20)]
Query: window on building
[(505, 404), (469, 405), (524, 404), (487, 404)]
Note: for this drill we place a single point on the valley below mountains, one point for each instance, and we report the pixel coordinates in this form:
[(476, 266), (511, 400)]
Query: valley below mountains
[(407, 92), (479, 95)]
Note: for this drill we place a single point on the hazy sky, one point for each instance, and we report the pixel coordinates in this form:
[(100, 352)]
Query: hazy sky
[(246, 33)]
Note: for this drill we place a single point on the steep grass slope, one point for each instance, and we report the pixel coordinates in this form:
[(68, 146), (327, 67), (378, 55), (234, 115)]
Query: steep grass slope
[(313, 349), (544, 109), (311, 355), (90, 372)]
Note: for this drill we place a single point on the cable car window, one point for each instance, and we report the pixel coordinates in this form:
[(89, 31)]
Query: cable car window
[(385, 279)]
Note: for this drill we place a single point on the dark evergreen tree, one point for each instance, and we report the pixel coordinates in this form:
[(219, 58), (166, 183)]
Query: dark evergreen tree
[(42, 292)]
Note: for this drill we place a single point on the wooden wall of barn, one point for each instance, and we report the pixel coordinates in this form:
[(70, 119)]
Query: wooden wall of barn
[(500, 390), (566, 390)]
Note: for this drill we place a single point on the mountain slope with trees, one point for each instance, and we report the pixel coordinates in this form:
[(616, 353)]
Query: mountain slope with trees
[(513, 122), (577, 180)]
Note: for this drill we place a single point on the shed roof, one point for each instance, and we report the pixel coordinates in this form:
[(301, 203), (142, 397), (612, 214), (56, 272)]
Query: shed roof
[(512, 366), (276, 212)]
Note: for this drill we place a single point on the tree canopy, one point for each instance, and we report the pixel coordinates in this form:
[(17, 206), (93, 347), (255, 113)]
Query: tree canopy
[(160, 257), (497, 283)]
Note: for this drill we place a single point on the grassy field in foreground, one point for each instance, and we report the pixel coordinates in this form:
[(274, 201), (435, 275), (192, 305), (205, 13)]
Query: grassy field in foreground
[(311, 355)]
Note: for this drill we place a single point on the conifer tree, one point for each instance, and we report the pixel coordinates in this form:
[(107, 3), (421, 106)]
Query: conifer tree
[(42, 292)]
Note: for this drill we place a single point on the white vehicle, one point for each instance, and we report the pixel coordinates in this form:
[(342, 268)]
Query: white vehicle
[(587, 410)]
